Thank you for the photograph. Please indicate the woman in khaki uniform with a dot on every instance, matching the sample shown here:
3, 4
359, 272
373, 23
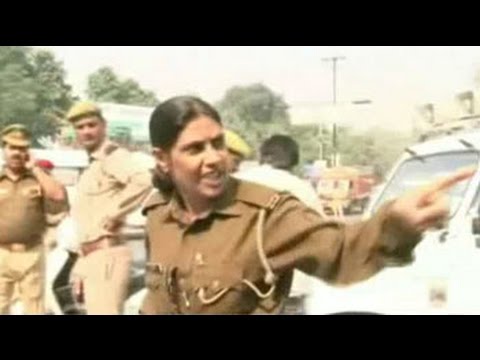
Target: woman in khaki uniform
217, 245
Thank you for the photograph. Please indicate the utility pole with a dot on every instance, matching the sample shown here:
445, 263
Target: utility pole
334, 60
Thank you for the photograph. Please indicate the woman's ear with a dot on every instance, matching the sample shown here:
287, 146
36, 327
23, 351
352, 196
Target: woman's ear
161, 159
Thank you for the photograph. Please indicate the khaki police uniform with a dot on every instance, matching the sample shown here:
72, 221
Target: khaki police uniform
23, 220
240, 259
109, 189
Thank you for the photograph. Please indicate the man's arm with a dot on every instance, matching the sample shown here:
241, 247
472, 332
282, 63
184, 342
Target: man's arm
132, 196
136, 181
51, 188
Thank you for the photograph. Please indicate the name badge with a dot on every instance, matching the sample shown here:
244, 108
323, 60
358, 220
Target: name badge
32, 192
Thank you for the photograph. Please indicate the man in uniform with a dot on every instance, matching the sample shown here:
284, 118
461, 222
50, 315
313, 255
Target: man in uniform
111, 187
238, 150
27, 196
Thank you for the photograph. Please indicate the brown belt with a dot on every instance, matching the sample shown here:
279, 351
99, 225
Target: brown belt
103, 243
18, 248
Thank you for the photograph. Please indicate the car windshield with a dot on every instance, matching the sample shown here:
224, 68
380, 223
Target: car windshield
419, 171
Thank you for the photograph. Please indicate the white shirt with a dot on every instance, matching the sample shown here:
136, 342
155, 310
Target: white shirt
283, 180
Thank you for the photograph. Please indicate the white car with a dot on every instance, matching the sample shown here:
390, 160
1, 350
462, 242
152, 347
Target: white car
443, 279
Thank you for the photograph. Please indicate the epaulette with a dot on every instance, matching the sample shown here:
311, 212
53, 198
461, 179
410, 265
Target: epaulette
258, 195
155, 199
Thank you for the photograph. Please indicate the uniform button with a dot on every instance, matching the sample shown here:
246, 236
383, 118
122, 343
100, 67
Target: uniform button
215, 285
199, 260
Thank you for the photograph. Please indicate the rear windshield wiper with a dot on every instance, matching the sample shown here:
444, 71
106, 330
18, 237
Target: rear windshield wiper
467, 144
414, 155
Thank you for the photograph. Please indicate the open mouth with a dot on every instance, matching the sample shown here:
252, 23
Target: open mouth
214, 178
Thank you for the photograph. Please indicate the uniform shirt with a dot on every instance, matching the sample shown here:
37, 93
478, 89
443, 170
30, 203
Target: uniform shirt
283, 180
24, 209
217, 264
111, 187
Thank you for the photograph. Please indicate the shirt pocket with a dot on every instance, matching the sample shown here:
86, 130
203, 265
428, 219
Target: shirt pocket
99, 184
155, 277
32, 192
158, 281
33, 198
5, 193
220, 289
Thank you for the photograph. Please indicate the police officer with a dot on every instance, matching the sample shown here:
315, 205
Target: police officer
113, 186
238, 150
224, 246
27, 196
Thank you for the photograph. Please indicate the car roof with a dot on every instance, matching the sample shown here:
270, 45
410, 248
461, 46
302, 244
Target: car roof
461, 141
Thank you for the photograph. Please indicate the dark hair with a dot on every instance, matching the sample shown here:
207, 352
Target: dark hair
168, 121
171, 117
280, 151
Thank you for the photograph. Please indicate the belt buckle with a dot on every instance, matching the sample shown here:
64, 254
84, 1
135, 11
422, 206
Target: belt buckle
156, 268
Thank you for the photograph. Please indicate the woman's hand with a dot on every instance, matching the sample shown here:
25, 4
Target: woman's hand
428, 206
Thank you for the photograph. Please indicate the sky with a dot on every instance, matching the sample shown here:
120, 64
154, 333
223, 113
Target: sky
393, 79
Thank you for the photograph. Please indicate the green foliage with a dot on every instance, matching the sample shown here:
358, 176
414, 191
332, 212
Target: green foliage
255, 112
378, 148
33, 90
105, 86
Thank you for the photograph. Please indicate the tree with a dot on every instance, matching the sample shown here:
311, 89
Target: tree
255, 112
378, 148
33, 90
310, 142
54, 94
105, 86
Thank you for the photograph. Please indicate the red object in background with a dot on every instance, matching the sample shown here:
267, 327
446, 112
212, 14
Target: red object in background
363, 186
45, 164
